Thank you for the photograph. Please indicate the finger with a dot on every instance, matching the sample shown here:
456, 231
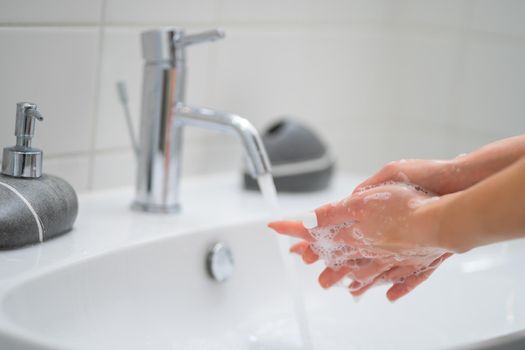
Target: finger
367, 183
370, 271
406, 274
329, 276
299, 248
440, 260
380, 177
309, 256
355, 285
399, 272
392, 171
399, 290
357, 263
291, 228
357, 288
345, 211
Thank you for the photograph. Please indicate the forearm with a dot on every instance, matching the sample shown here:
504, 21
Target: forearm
488, 160
491, 211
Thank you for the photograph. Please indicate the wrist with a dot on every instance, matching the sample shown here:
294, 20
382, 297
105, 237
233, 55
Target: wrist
428, 224
460, 171
456, 230
442, 226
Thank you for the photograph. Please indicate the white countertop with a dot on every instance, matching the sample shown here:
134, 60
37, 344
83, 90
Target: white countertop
106, 222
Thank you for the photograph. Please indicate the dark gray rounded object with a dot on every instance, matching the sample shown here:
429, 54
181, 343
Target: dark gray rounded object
300, 160
52, 209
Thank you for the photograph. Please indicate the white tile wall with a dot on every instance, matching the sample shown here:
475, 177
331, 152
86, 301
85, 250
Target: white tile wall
74, 168
114, 169
50, 11
492, 90
302, 11
379, 79
170, 12
121, 61
442, 13
422, 72
315, 75
502, 16
56, 68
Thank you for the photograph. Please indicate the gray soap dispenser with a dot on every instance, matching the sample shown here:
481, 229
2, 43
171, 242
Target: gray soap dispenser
34, 207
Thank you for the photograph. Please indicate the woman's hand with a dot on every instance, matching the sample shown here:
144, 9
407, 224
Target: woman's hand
392, 232
374, 236
439, 176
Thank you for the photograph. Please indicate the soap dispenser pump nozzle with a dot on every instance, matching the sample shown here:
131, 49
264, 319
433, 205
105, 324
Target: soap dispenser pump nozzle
22, 160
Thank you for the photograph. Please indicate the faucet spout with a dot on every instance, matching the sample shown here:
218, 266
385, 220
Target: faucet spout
232, 123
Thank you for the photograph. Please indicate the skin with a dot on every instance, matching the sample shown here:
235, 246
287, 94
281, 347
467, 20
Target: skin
391, 230
489, 212
482, 205
449, 176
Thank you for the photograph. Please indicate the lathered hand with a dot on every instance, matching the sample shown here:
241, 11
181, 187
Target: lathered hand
377, 235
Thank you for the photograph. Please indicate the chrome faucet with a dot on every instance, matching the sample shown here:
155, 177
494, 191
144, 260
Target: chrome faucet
165, 113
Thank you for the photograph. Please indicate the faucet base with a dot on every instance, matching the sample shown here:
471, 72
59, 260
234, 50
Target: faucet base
153, 208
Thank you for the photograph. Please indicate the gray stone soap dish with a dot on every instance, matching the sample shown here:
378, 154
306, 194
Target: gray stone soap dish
301, 161
35, 210
33, 207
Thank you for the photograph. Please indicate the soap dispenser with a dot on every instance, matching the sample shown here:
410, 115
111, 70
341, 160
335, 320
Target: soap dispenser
34, 207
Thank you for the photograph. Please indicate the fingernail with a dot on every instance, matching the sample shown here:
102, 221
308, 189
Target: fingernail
309, 220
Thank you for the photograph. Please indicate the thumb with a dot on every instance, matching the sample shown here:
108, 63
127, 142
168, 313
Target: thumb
376, 179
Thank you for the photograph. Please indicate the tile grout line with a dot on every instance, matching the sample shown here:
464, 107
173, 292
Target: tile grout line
96, 152
96, 99
350, 25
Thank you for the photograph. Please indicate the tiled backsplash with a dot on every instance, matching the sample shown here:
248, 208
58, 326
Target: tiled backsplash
379, 79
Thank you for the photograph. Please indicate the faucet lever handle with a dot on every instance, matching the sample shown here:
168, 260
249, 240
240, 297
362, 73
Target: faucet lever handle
209, 35
160, 45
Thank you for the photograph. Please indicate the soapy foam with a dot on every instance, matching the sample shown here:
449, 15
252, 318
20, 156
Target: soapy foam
405, 185
378, 196
333, 252
357, 234
416, 203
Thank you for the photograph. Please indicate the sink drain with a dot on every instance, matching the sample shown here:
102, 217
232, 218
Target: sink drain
219, 262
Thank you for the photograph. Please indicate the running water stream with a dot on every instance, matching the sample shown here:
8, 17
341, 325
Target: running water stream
269, 193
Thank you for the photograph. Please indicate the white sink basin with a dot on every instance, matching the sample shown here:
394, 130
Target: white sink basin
124, 280
158, 296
